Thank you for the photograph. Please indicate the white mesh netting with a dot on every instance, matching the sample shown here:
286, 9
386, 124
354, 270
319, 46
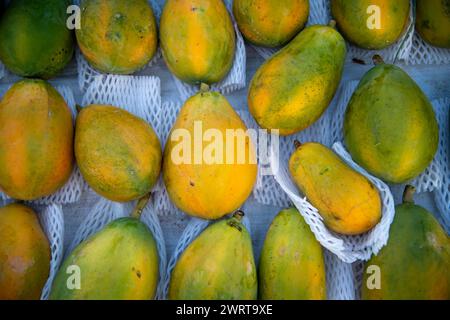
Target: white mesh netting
320, 13
236, 78
87, 74
105, 211
347, 248
71, 191
428, 181
423, 53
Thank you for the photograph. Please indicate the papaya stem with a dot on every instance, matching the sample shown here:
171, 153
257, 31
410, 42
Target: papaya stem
408, 194
297, 144
377, 59
238, 215
78, 107
332, 23
140, 206
204, 87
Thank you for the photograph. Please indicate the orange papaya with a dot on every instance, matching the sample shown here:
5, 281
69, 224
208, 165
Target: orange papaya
433, 21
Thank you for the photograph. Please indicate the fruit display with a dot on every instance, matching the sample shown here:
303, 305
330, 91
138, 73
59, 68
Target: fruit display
217, 265
414, 265
36, 140
292, 265
390, 127
291, 90
24, 254
34, 39
188, 180
117, 36
371, 24
119, 154
270, 23
348, 202
433, 22
198, 40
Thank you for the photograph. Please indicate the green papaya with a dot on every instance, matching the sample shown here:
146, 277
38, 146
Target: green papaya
414, 265
433, 21
371, 24
218, 265
119, 262
291, 90
348, 202
390, 127
291, 265
34, 38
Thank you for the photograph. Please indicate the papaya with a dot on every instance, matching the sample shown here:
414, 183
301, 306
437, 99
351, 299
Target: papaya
291, 90
193, 163
120, 262
390, 127
24, 254
433, 22
34, 38
270, 23
217, 265
371, 24
198, 40
347, 201
291, 265
118, 154
415, 262
117, 36
36, 140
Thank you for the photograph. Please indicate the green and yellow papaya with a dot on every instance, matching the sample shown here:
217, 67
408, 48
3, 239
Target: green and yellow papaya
218, 265
36, 140
291, 265
390, 127
270, 23
204, 179
414, 265
291, 90
371, 24
34, 38
197, 40
119, 154
348, 202
433, 22
117, 36
24, 254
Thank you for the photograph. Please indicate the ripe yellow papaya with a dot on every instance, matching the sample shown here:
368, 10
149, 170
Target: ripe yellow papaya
291, 265
390, 127
218, 265
414, 265
119, 154
24, 254
117, 36
371, 24
433, 22
270, 23
209, 164
291, 90
36, 140
197, 40
348, 202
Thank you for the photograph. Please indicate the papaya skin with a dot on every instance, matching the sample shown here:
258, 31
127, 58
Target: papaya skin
36, 140
270, 23
348, 202
118, 263
291, 90
218, 265
291, 265
34, 38
188, 184
24, 254
433, 22
415, 262
390, 127
119, 154
117, 36
198, 40
352, 18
